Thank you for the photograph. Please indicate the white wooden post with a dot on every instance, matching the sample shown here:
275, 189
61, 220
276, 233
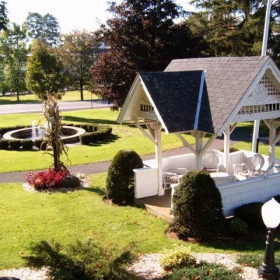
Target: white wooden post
198, 146
264, 49
157, 129
272, 133
226, 148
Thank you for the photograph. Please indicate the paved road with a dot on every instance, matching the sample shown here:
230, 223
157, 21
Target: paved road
63, 106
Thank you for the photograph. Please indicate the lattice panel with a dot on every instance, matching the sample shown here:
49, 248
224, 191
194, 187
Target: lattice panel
148, 115
264, 98
270, 87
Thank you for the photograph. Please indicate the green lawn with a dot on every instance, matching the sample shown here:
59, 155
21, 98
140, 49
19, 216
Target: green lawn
31, 98
31, 217
123, 137
65, 217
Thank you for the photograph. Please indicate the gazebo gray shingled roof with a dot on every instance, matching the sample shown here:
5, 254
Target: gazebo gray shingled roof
175, 95
227, 80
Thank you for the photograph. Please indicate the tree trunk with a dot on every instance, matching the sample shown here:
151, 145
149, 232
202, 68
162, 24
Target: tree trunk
82, 89
17, 95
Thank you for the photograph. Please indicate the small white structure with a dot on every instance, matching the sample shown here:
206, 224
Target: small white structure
207, 96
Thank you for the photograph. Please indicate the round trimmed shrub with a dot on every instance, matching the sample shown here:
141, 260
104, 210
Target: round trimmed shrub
27, 144
4, 144
197, 207
238, 227
120, 177
15, 144
251, 214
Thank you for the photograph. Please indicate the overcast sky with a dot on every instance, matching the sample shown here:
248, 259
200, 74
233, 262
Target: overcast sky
71, 14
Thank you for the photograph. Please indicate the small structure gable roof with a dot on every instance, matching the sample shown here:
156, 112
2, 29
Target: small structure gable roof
227, 80
204, 94
175, 96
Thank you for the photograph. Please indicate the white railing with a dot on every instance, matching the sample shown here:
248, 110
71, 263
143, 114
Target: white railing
254, 190
146, 182
233, 194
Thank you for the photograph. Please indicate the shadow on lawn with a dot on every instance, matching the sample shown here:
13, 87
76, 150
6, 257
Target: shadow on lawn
253, 242
111, 139
85, 120
96, 190
9, 102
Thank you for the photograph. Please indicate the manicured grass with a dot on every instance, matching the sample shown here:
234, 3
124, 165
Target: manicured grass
65, 217
31, 98
123, 137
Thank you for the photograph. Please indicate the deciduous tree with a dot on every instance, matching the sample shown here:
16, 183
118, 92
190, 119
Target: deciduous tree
78, 52
46, 28
13, 52
142, 36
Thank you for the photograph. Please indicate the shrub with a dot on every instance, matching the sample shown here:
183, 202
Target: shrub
84, 126
4, 130
205, 271
251, 214
85, 139
239, 227
4, 144
101, 134
94, 134
27, 144
91, 128
197, 207
83, 260
120, 177
40, 144
15, 144
177, 258
49, 179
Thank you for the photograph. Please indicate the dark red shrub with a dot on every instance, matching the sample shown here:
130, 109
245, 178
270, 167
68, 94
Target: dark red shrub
49, 179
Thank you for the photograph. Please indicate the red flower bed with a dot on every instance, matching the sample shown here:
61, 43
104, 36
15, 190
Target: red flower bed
49, 179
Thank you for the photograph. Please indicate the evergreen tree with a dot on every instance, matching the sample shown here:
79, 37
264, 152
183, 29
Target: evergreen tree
230, 27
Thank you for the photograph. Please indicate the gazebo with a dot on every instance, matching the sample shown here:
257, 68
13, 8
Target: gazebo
205, 96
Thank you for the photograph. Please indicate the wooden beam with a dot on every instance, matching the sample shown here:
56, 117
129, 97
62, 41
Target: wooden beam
186, 143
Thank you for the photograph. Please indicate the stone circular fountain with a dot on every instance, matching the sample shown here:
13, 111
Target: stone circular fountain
70, 134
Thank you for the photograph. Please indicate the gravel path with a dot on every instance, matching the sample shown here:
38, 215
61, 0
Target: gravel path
147, 267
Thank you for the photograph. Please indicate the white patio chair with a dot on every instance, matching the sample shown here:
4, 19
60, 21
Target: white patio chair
251, 167
213, 161
173, 176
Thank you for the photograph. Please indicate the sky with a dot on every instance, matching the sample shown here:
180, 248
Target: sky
71, 14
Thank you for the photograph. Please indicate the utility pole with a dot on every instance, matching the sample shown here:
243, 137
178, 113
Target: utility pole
264, 50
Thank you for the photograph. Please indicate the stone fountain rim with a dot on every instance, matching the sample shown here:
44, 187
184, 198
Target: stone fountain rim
79, 132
